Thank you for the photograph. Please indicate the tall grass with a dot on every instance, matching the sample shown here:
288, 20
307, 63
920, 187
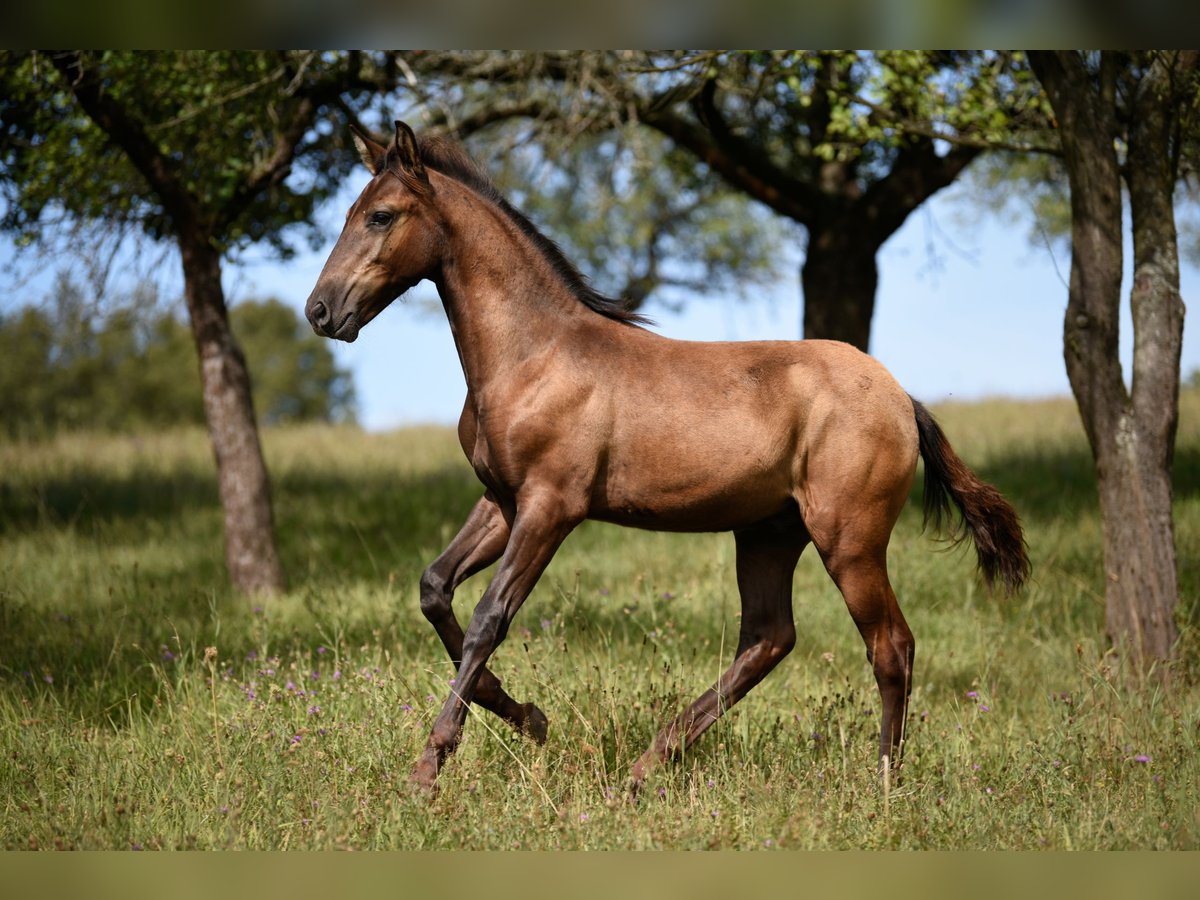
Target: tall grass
121, 729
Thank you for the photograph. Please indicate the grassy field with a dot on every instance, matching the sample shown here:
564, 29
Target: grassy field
118, 730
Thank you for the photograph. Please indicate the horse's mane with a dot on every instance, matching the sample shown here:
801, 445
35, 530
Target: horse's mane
451, 160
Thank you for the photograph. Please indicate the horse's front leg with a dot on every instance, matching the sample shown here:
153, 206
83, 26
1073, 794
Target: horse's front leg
539, 527
479, 543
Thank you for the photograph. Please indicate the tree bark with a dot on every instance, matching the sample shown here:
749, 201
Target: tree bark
250, 552
838, 278
1131, 434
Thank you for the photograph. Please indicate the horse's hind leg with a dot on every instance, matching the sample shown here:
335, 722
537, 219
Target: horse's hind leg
766, 560
857, 561
479, 543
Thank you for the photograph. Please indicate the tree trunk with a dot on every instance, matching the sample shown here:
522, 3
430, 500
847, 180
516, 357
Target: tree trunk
250, 552
838, 279
1148, 611
1131, 434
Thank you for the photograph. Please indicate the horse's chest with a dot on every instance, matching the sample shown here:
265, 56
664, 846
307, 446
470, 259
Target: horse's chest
497, 463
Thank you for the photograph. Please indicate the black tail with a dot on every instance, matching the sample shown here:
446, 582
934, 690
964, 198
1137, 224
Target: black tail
986, 516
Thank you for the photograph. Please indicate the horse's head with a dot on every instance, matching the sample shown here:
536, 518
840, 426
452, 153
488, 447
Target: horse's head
389, 243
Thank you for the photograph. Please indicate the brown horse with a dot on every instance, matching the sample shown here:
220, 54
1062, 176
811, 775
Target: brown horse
573, 411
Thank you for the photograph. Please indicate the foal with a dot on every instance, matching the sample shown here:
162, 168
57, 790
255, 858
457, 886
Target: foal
574, 411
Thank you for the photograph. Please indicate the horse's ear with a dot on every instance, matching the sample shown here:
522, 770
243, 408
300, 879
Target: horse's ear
371, 153
407, 156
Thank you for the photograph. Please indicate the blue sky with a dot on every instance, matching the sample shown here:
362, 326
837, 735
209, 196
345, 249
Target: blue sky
967, 308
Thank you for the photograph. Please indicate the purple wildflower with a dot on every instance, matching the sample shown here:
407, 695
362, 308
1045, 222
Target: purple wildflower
973, 694
1142, 758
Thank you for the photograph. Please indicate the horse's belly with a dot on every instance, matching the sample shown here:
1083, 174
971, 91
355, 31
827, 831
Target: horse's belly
703, 498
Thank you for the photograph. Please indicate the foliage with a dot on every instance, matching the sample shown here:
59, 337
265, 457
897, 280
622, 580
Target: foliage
639, 217
861, 109
800, 123
67, 366
678, 154
1018, 184
220, 120
118, 731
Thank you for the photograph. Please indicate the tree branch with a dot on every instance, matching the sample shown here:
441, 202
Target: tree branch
128, 134
736, 162
917, 175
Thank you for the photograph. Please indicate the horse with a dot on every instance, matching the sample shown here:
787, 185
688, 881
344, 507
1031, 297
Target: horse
575, 410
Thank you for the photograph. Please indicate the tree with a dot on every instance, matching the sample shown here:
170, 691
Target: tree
211, 151
1124, 118
845, 144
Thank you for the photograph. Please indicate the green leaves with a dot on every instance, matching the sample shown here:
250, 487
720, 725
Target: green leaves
234, 132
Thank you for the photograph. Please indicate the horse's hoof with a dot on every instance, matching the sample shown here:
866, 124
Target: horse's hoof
419, 790
535, 725
423, 780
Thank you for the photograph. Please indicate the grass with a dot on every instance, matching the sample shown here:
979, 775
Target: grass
121, 729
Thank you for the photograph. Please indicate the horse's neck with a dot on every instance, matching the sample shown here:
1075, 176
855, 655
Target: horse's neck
504, 301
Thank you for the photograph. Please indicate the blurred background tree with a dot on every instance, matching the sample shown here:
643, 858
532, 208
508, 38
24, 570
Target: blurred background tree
71, 363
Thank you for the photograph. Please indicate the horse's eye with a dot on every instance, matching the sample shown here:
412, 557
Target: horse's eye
380, 219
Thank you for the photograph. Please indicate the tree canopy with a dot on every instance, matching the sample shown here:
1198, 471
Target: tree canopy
845, 144
247, 144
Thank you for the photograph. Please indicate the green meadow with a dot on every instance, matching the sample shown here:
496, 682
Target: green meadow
121, 729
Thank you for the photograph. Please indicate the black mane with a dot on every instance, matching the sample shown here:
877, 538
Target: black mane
452, 161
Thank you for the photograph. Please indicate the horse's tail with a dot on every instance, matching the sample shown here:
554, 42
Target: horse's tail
986, 516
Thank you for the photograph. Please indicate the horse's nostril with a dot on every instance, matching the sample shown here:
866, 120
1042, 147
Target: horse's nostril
319, 315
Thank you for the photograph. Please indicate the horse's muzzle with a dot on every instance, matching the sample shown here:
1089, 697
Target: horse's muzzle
320, 317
